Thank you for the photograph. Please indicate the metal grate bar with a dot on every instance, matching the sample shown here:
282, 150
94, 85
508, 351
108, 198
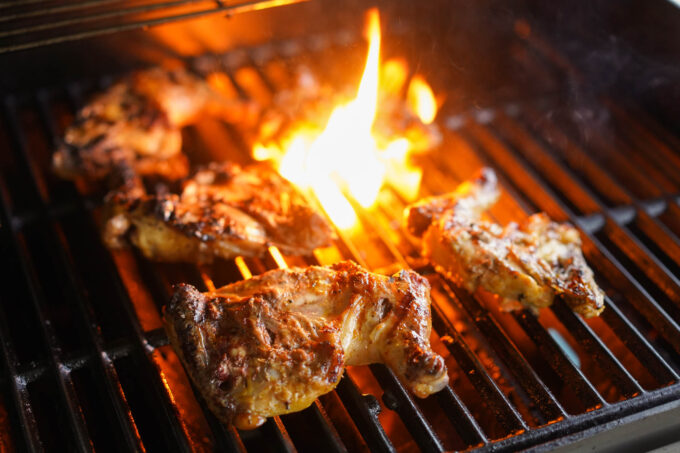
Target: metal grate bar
660, 234
20, 2
492, 395
133, 24
597, 349
619, 144
143, 348
647, 306
327, 426
57, 9
577, 159
461, 418
364, 410
558, 360
115, 350
579, 423
17, 389
14, 381
650, 266
639, 345
647, 133
508, 352
397, 399
550, 53
107, 372
576, 193
622, 169
90, 18
226, 439
276, 425
65, 385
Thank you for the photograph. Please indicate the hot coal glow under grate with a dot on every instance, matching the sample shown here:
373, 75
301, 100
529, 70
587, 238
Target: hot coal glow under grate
85, 361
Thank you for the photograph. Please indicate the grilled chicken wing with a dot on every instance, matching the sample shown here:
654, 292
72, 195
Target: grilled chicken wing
136, 122
530, 263
272, 344
223, 211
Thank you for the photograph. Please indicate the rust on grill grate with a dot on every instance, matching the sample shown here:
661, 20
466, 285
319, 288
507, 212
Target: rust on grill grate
86, 363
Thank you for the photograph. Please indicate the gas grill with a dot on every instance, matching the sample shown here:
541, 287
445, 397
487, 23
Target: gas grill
85, 362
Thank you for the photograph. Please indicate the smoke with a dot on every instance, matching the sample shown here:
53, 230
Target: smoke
626, 51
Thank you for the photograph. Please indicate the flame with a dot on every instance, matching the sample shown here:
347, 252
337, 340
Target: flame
346, 160
421, 99
393, 76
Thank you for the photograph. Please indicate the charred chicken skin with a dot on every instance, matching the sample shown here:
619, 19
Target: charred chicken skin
222, 211
137, 122
526, 264
272, 344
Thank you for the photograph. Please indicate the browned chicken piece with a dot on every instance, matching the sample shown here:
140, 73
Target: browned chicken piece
223, 211
272, 344
137, 122
527, 265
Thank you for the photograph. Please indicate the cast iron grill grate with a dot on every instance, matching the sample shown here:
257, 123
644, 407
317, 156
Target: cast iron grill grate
86, 365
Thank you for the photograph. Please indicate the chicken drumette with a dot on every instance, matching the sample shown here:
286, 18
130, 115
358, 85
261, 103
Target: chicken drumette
222, 211
272, 344
530, 263
137, 123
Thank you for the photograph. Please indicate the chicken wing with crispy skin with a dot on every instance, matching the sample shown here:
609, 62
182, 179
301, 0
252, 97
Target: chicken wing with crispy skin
137, 122
272, 344
527, 265
223, 211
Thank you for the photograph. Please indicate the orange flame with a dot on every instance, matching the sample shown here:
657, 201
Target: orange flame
421, 99
393, 75
346, 159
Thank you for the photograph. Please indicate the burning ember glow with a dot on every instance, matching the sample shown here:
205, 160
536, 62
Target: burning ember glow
348, 158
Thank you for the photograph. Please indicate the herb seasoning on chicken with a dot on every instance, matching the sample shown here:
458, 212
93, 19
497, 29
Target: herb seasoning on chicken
137, 123
527, 265
223, 211
272, 344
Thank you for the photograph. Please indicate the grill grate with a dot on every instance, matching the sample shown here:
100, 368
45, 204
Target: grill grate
101, 350
43, 22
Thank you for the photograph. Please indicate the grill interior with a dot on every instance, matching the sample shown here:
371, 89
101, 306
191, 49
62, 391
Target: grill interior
86, 364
